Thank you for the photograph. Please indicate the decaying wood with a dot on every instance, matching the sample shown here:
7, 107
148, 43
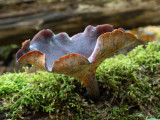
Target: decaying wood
21, 19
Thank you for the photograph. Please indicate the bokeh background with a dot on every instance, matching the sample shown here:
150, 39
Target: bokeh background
22, 19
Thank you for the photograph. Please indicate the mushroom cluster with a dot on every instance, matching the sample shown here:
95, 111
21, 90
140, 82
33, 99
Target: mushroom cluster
77, 56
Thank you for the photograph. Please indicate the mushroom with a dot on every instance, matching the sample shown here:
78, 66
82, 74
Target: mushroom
77, 56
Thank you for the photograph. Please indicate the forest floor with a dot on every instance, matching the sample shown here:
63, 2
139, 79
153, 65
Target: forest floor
129, 86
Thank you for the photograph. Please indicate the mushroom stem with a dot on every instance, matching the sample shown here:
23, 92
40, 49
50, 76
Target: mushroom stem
89, 80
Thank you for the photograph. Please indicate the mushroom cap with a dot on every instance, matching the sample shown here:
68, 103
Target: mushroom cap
72, 55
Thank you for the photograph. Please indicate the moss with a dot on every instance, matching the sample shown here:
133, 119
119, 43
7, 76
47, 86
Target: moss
129, 85
44, 91
5, 51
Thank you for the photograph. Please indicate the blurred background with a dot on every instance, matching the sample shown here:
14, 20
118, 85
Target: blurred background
22, 19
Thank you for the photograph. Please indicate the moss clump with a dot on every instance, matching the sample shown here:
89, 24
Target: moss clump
129, 85
52, 93
133, 80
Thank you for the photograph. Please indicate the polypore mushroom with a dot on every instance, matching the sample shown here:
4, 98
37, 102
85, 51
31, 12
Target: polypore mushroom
77, 56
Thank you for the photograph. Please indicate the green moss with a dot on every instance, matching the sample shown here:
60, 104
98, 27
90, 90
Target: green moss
129, 85
6, 50
44, 91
